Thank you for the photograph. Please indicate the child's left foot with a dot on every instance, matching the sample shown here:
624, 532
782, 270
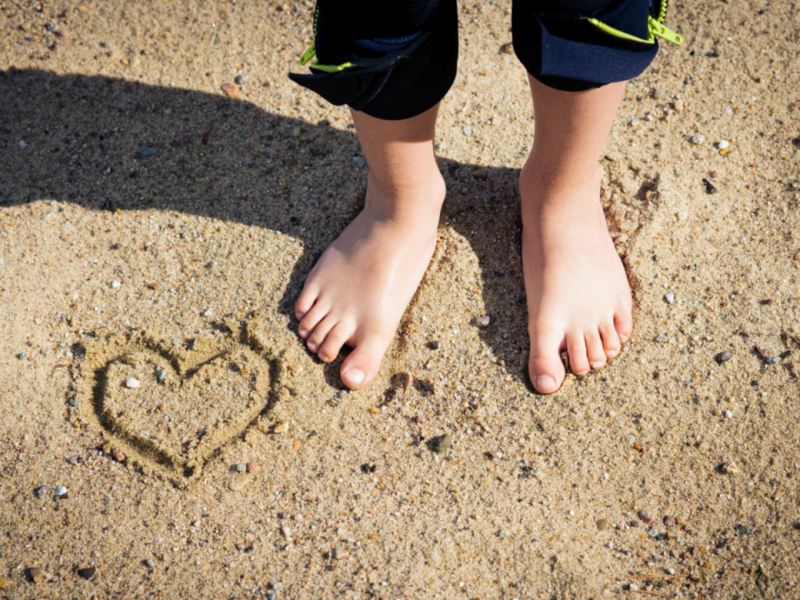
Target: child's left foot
578, 294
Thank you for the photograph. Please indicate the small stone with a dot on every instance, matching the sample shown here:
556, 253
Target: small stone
483, 321
669, 297
645, 515
661, 338
118, 456
36, 575
4, 583
147, 563
86, 572
668, 520
161, 375
763, 356
116, 284
709, 187
633, 123
22, 355
374, 410
280, 427
22, 144
145, 152
208, 313
238, 482
727, 468
72, 402
697, 138
507, 48
132, 383
286, 532
722, 144
270, 595
669, 571
722, 357
467, 130
432, 345
602, 523
678, 105
73, 460
440, 444
240, 467
239, 79
683, 215
40, 491
231, 90
60, 492
728, 414
359, 161
633, 587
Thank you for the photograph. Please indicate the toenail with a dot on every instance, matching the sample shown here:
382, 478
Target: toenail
598, 364
302, 333
356, 376
612, 353
312, 346
545, 382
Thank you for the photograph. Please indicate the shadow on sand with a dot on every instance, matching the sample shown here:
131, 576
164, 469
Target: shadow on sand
105, 143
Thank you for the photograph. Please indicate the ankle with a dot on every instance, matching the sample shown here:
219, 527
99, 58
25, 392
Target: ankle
419, 197
553, 176
547, 188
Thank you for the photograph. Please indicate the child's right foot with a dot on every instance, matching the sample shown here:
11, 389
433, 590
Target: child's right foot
360, 287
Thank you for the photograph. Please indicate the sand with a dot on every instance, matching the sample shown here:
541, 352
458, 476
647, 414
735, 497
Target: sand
150, 223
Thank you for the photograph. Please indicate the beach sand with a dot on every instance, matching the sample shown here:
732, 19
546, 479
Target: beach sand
154, 233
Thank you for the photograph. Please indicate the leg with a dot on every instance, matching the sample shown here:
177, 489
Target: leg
359, 289
578, 294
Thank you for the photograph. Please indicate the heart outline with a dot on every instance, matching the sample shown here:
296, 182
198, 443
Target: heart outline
90, 383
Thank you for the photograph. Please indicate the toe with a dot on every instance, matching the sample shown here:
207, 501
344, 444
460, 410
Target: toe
611, 342
594, 349
312, 318
624, 324
576, 348
305, 300
545, 366
361, 366
320, 332
336, 338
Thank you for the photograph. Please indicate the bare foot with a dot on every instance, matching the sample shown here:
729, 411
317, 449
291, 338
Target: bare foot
357, 292
578, 294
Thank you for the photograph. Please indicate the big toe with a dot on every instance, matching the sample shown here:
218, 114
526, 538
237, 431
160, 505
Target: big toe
547, 375
361, 366
545, 367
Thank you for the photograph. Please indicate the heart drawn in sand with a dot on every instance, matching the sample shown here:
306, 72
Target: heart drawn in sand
172, 409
